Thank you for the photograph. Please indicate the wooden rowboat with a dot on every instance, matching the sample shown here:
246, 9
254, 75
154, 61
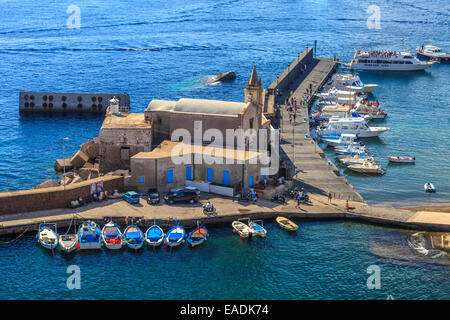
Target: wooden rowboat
47, 237
287, 224
198, 236
243, 229
400, 159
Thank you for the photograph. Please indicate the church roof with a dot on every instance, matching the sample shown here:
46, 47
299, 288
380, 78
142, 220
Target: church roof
200, 106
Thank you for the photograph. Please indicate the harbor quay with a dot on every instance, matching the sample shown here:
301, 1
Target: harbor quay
134, 152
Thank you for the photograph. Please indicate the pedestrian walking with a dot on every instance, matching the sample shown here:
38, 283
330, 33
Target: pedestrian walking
329, 197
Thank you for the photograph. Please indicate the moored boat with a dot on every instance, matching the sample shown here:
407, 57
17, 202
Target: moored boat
355, 160
89, 236
198, 236
47, 237
243, 229
258, 229
175, 236
68, 242
401, 159
367, 167
286, 224
133, 237
154, 235
429, 187
357, 126
430, 52
350, 82
111, 236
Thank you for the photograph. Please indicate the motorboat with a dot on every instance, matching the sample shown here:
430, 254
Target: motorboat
175, 236
198, 236
68, 242
340, 96
242, 229
89, 236
350, 82
377, 60
47, 236
257, 226
430, 52
429, 187
400, 159
356, 159
341, 140
357, 126
286, 224
133, 237
111, 236
367, 167
154, 235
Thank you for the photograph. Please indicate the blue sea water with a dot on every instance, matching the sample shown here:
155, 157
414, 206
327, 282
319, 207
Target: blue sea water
164, 50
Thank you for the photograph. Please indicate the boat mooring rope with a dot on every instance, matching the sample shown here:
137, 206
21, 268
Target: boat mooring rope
11, 241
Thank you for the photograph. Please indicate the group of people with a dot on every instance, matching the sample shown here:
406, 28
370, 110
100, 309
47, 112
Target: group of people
300, 195
376, 53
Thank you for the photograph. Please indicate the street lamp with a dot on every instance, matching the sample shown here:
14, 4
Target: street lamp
64, 160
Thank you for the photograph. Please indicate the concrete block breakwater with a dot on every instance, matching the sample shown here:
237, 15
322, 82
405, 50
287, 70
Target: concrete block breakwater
52, 102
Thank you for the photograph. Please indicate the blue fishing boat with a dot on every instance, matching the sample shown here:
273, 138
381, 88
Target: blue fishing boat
175, 236
133, 237
154, 235
47, 237
198, 236
89, 236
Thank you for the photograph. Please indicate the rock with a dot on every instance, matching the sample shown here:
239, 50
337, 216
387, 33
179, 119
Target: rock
226, 76
84, 173
76, 180
88, 165
47, 184
93, 150
65, 181
59, 165
79, 159
86, 145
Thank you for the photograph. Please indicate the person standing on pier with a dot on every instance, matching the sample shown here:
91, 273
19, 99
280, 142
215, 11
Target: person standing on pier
329, 197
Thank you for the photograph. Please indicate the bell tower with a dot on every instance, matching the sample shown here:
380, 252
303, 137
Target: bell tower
254, 91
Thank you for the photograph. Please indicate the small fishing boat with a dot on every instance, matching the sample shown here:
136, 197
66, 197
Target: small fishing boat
198, 236
133, 237
68, 242
47, 237
111, 236
429, 187
367, 167
154, 235
343, 139
400, 159
349, 160
287, 224
257, 226
175, 236
243, 229
89, 236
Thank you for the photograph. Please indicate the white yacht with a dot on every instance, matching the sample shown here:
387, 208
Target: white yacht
387, 60
357, 126
430, 52
334, 95
350, 82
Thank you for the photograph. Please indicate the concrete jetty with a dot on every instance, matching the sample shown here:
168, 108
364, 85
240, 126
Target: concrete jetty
314, 171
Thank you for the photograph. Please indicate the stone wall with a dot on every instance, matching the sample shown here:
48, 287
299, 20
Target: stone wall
54, 197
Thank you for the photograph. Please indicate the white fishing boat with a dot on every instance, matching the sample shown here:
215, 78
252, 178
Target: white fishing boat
68, 242
350, 82
47, 235
387, 61
242, 229
357, 126
367, 167
356, 159
343, 139
258, 228
112, 236
401, 159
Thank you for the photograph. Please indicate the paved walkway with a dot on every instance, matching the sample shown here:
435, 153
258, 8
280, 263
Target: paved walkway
316, 173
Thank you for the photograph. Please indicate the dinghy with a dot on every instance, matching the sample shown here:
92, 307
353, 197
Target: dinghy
175, 236
243, 229
287, 224
89, 236
47, 237
367, 167
154, 235
257, 226
400, 159
68, 242
429, 187
111, 236
198, 236
133, 237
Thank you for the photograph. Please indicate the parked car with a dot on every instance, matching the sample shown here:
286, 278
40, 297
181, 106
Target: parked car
131, 197
189, 189
153, 196
181, 196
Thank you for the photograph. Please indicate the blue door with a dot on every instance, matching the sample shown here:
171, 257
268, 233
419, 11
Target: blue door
189, 173
169, 175
226, 177
209, 174
264, 174
250, 181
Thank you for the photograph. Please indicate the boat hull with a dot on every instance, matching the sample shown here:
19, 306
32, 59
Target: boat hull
180, 234
49, 242
401, 160
389, 67
67, 245
286, 224
158, 237
440, 59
